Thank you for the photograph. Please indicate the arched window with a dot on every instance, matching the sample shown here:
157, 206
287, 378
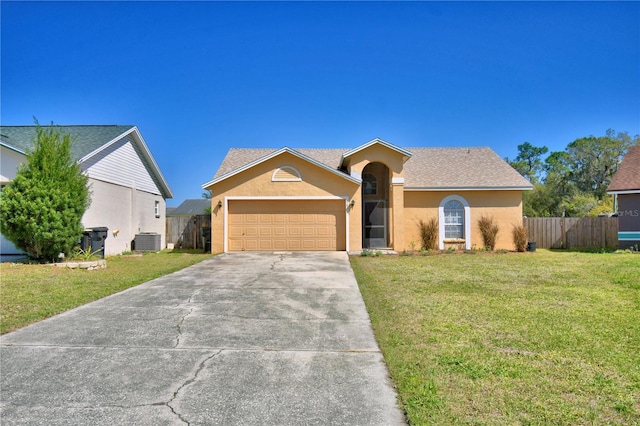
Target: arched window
454, 219
370, 184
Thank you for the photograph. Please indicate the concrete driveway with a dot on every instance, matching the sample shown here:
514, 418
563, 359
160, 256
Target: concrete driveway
243, 338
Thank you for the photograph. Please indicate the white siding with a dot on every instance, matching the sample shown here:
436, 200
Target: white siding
127, 210
9, 161
122, 164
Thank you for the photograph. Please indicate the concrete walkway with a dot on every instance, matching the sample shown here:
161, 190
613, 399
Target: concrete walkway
243, 338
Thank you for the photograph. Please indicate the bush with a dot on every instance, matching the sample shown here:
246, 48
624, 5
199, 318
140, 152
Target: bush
428, 233
520, 237
489, 231
42, 207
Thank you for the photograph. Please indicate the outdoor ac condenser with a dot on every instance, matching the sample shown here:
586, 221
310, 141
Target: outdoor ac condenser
147, 241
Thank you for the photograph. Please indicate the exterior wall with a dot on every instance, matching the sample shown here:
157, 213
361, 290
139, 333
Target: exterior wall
9, 162
257, 182
126, 210
504, 206
629, 221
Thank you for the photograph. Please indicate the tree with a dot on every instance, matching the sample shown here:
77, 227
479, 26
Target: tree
572, 182
42, 207
529, 162
594, 160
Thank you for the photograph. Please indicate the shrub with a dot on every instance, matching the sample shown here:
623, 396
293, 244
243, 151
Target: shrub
489, 230
428, 233
520, 237
42, 207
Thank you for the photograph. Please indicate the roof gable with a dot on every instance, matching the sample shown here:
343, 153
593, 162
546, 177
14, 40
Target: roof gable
627, 178
377, 141
251, 158
87, 142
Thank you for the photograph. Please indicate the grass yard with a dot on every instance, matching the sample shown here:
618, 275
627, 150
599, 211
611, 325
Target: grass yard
509, 338
30, 293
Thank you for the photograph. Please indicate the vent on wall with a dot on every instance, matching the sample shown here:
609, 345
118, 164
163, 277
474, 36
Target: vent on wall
286, 174
147, 241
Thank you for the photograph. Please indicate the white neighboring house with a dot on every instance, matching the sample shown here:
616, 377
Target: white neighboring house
128, 190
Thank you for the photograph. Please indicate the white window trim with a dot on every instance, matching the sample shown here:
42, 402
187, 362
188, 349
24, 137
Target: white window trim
467, 221
291, 179
157, 208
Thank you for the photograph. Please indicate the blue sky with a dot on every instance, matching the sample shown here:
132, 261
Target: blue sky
198, 78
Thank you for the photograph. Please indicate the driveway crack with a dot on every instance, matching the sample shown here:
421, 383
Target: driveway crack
179, 326
188, 382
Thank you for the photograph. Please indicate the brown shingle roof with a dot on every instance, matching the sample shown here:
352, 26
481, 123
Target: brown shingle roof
238, 157
627, 178
439, 168
428, 168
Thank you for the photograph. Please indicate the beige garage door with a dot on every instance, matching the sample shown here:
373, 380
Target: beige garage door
286, 225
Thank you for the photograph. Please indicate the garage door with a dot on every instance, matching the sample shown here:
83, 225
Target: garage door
286, 225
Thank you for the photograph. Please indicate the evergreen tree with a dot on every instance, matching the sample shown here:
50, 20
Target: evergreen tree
42, 208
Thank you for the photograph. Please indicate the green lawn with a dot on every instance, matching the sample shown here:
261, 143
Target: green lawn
509, 338
30, 293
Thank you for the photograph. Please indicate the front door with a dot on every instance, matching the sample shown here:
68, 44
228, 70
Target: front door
375, 224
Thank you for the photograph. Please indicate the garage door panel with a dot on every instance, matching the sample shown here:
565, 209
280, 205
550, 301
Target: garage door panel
265, 245
294, 231
256, 225
250, 231
265, 232
251, 245
294, 218
280, 244
251, 218
325, 231
294, 245
309, 244
325, 245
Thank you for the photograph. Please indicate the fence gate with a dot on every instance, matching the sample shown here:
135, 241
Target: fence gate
188, 232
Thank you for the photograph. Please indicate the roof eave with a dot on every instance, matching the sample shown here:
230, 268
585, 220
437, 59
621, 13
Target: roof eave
13, 148
624, 191
469, 188
273, 155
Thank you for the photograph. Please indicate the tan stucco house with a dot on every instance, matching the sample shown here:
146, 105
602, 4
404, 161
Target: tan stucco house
371, 196
128, 190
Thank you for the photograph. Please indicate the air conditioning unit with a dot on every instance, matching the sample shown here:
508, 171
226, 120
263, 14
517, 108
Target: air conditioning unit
147, 241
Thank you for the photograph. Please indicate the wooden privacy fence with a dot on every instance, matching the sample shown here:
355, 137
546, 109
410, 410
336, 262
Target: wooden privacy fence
187, 231
573, 232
